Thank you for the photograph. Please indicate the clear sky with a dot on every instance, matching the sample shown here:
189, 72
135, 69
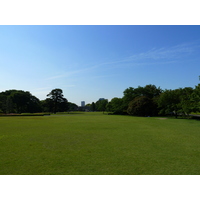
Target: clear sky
92, 62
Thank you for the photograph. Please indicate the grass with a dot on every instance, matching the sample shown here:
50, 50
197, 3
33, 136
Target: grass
93, 143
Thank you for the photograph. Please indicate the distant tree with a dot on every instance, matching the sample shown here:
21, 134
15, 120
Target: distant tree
187, 103
101, 105
19, 101
3, 99
180, 101
195, 97
56, 96
72, 106
150, 91
9, 105
88, 107
47, 105
169, 102
129, 95
141, 106
93, 107
115, 106
63, 106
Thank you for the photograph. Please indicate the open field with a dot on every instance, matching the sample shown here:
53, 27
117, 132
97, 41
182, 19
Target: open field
93, 143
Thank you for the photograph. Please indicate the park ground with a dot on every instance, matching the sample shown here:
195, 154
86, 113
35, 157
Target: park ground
99, 144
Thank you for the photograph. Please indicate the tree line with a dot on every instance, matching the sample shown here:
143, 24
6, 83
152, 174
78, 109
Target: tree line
152, 101
141, 101
18, 101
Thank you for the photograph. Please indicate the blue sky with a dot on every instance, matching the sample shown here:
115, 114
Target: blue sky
92, 62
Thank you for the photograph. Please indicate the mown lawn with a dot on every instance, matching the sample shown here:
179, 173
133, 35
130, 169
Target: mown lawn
93, 143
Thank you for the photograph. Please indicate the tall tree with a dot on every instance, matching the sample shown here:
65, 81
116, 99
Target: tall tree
169, 102
196, 98
150, 91
141, 106
115, 106
72, 106
57, 98
93, 107
101, 105
187, 104
19, 101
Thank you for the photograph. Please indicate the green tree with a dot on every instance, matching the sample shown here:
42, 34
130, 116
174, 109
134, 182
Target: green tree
101, 105
196, 98
169, 102
19, 101
47, 105
180, 101
149, 91
187, 103
56, 96
3, 99
129, 95
93, 107
140, 106
72, 106
115, 106
9, 105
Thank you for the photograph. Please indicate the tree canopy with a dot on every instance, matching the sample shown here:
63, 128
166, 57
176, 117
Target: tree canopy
57, 101
141, 101
19, 101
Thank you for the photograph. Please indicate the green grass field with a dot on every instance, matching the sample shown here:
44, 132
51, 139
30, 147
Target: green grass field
93, 143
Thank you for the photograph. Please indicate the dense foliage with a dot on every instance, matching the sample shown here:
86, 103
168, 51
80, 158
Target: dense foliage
141, 101
18, 101
152, 101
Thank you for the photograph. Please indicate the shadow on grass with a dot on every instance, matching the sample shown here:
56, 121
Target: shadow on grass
69, 113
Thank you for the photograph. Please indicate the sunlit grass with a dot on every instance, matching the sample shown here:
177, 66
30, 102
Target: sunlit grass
93, 143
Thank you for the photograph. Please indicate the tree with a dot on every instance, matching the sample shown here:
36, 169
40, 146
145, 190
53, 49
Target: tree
57, 98
101, 105
72, 106
180, 101
93, 107
196, 98
9, 105
169, 102
115, 106
19, 101
149, 91
129, 95
3, 99
47, 105
141, 106
187, 103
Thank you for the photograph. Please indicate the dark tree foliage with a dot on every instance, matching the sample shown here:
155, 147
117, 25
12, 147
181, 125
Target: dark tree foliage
195, 98
101, 105
169, 102
72, 106
57, 102
141, 106
150, 91
115, 106
47, 105
180, 101
141, 101
18, 101
93, 107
